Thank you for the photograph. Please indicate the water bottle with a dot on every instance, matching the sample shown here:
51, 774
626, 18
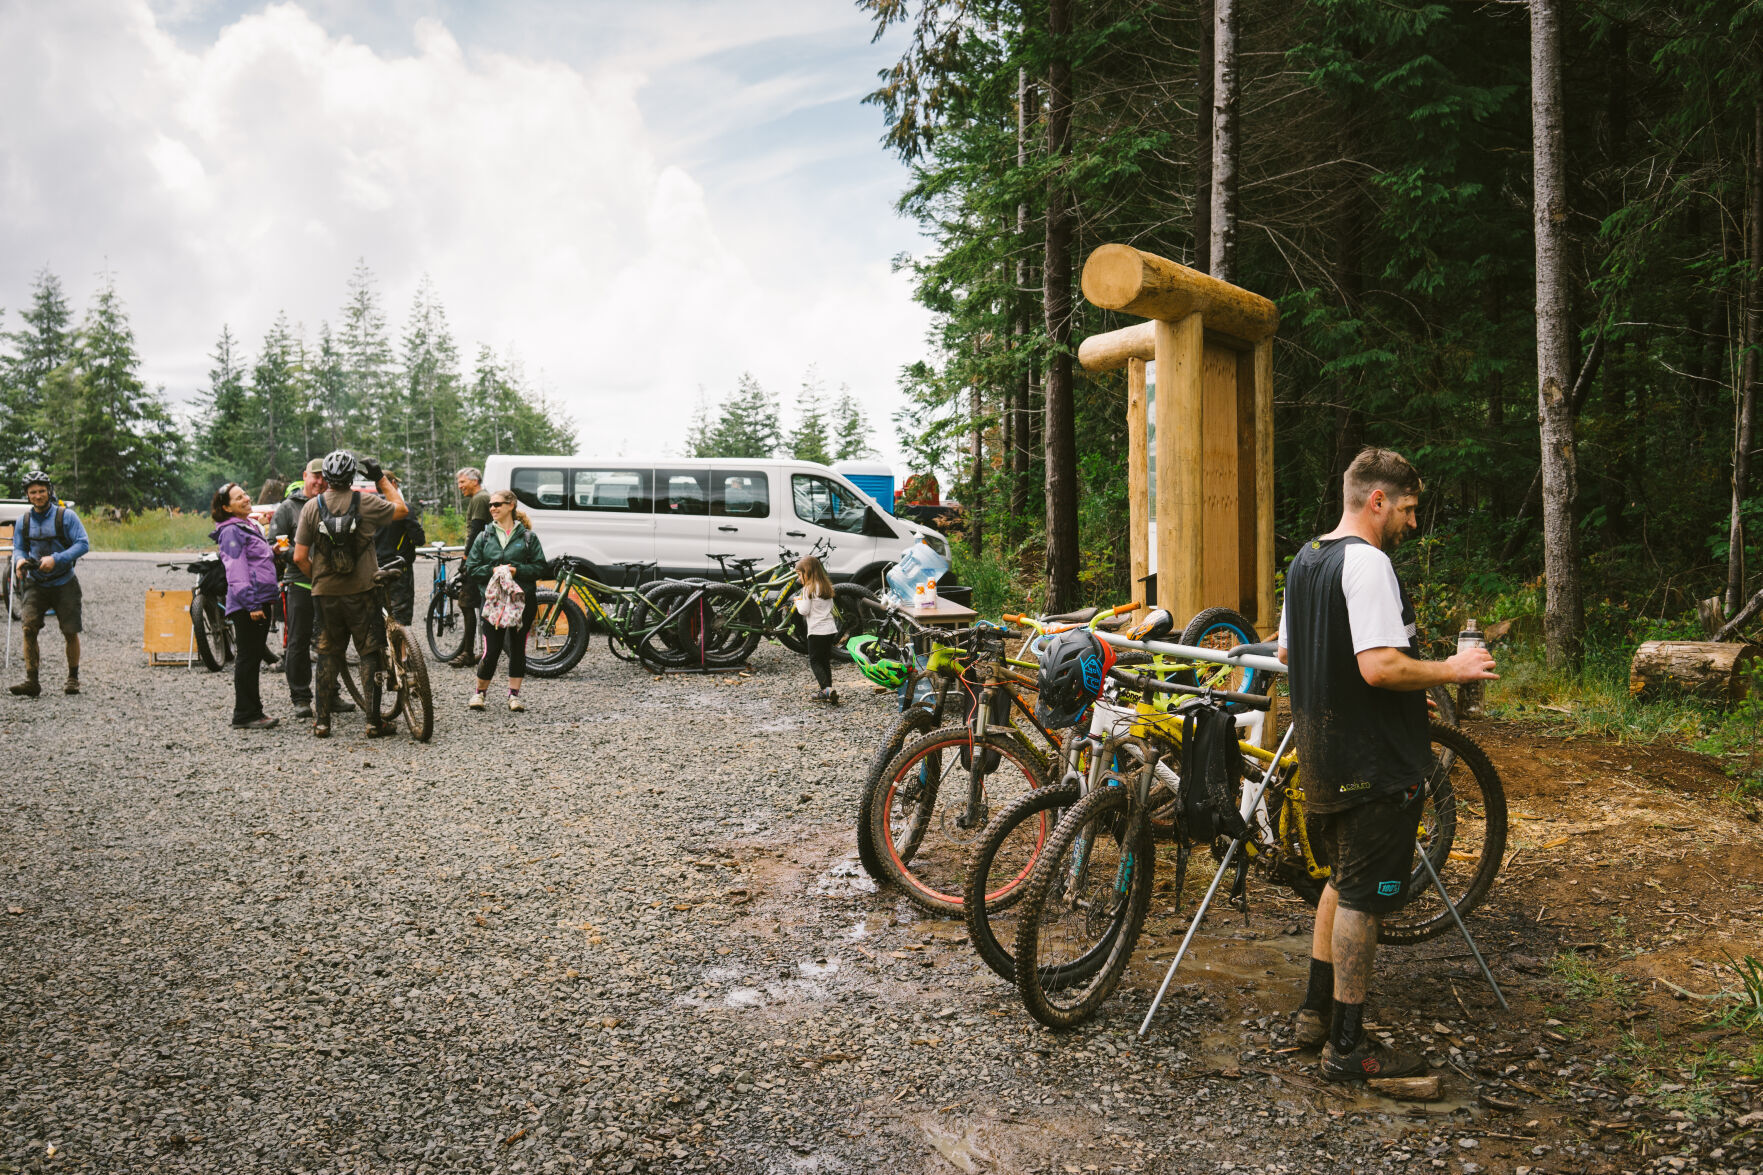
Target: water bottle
1469, 693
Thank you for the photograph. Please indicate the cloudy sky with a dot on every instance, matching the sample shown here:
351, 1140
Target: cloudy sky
640, 197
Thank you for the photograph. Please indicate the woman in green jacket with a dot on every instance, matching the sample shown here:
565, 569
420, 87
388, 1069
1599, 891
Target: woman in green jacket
507, 540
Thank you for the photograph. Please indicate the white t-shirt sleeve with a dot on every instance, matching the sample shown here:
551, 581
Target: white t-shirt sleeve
1284, 642
1374, 600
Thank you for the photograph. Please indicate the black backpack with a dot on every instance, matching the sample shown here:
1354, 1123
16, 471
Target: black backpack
340, 535
1211, 774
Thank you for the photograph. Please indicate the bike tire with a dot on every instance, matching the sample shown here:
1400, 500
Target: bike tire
1224, 629
1059, 991
912, 723
558, 637
793, 632
856, 610
214, 643
414, 697
1001, 844
444, 626
916, 809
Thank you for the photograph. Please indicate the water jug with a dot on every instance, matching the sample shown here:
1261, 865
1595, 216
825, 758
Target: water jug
919, 564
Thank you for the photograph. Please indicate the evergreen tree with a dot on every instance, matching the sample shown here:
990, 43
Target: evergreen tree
46, 343
329, 392
434, 419
226, 436
372, 416
123, 449
747, 425
277, 406
809, 440
850, 427
698, 433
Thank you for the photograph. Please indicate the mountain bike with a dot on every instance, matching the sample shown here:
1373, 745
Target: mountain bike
926, 809
403, 674
444, 623
642, 624
213, 636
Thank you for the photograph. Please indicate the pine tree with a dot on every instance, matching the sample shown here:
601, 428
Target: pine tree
809, 440
431, 383
747, 425
46, 344
277, 406
329, 392
699, 432
125, 448
850, 427
226, 432
372, 411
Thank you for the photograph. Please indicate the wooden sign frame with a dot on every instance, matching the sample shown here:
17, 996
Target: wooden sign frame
1212, 344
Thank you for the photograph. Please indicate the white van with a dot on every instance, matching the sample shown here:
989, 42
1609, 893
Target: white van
676, 513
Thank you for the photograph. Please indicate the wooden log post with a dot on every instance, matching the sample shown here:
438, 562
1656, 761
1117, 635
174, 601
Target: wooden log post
1717, 671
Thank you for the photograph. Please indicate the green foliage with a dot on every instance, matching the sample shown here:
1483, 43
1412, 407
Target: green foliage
809, 440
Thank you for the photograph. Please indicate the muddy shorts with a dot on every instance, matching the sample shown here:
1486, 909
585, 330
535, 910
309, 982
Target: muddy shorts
1370, 850
36, 599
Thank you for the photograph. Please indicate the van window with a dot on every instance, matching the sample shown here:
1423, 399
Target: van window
740, 493
682, 491
538, 489
826, 503
624, 491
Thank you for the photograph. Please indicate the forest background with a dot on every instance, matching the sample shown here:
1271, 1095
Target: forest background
1380, 189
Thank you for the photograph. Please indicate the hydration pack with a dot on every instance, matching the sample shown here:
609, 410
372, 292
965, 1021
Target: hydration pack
340, 535
1211, 774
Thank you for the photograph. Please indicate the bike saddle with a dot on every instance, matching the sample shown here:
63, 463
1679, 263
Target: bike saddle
388, 574
723, 555
1081, 616
1263, 649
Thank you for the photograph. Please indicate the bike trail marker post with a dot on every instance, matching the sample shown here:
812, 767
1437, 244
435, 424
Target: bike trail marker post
1199, 429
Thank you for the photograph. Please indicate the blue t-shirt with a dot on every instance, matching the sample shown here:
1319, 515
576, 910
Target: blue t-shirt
34, 536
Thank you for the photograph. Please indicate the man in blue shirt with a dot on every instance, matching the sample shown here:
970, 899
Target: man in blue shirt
47, 541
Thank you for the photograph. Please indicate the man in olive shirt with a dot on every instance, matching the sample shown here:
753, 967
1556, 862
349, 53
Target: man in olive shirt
477, 516
333, 543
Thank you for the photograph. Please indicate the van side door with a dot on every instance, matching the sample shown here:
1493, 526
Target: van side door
611, 511
682, 521
822, 508
741, 522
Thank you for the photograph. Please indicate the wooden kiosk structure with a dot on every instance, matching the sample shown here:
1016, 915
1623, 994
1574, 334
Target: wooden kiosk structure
1199, 413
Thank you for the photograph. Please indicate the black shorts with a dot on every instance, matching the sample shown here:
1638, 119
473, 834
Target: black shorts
1370, 851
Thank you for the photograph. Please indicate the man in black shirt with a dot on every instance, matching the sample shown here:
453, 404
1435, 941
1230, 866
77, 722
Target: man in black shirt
1359, 708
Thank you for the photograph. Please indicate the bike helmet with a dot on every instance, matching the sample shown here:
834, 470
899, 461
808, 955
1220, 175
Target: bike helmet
339, 468
1074, 665
37, 477
878, 660
1155, 627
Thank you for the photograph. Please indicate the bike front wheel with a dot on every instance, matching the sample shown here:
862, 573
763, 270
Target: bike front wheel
928, 810
1084, 909
445, 627
999, 869
413, 682
558, 637
914, 722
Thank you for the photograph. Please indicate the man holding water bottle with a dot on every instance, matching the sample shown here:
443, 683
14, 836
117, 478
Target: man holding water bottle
1358, 690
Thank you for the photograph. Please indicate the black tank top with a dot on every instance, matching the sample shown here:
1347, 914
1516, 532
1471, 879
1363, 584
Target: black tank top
1355, 742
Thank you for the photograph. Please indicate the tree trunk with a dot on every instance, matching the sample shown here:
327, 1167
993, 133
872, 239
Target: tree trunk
1224, 140
1745, 441
1563, 616
1017, 445
976, 484
1709, 669
1203, 138
1060, 430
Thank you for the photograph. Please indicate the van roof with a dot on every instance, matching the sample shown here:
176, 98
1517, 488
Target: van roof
644, 462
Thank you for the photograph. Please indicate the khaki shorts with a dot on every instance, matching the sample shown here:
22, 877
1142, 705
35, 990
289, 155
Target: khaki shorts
36, 599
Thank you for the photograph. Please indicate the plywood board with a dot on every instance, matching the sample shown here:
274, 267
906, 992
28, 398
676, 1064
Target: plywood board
1220, 524
167, 629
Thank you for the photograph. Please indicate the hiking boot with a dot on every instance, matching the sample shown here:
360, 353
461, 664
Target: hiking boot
462, 660
1309, 1029
260, 722
73, 684
342, 705
1370, 1058
379, 729
28, 688
303, 709
477, 701
832, 696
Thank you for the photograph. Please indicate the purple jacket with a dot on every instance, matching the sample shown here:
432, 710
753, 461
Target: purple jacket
250, 565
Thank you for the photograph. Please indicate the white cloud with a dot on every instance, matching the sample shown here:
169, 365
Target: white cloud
229, 178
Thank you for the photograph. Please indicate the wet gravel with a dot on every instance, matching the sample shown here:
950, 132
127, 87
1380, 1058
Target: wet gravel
624, 931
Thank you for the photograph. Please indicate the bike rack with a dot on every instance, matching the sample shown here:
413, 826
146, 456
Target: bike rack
1270, 665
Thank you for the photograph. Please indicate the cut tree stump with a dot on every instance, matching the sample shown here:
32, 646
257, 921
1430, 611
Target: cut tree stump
1408, 1089
1718, 671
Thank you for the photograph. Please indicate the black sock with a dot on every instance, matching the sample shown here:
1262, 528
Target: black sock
1348, 1026
1319, 996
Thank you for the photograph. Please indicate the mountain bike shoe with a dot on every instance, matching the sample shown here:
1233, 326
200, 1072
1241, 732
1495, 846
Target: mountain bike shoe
1369, 1059
1309, 1029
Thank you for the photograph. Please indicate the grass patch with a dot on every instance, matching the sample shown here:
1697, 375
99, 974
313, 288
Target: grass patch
155, 530
1582, 980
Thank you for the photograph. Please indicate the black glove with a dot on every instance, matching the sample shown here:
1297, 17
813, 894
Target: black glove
370, 469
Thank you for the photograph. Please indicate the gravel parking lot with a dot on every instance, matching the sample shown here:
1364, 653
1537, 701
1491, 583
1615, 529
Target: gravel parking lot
624, 931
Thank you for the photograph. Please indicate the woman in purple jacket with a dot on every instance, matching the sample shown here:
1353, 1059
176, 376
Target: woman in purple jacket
250, 592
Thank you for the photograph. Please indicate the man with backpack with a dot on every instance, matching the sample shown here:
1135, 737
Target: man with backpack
1358, 689
298, 664
399, 540
47, 540
477, 516
333, 543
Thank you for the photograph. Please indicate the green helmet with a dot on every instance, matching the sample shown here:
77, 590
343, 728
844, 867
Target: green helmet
878, 660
